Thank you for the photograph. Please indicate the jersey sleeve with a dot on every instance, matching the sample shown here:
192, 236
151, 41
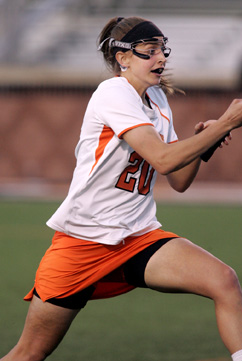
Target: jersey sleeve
172, 136
121, 109
159, 98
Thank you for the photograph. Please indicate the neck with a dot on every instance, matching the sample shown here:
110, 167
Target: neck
140, 88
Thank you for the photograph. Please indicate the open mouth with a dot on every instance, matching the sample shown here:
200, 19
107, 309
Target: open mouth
158, 71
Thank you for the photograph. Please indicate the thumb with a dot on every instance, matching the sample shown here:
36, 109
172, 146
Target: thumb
199, 127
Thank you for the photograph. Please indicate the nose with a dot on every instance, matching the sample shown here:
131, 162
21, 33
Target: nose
162, 57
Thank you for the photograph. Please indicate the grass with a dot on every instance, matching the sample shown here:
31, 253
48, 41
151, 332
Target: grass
139, 326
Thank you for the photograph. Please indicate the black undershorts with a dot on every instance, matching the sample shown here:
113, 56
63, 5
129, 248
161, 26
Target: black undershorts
133, 271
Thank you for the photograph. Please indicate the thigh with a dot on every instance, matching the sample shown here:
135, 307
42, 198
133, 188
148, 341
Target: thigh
45, 326
134, 268
181, 266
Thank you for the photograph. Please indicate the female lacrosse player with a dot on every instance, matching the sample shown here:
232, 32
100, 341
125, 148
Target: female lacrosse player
108, 240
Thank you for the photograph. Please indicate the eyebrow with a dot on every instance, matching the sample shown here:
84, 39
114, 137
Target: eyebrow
145, 45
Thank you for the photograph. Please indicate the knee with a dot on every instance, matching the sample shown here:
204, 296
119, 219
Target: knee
37, 356
28, 354
228, 283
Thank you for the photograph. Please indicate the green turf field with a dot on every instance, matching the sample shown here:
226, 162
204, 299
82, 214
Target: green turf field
139, 326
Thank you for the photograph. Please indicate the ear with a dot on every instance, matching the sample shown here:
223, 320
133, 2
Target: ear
123, 58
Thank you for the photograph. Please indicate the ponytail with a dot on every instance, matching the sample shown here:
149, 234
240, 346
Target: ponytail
104, 37
116, 28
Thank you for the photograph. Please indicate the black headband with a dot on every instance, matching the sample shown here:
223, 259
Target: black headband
142, 31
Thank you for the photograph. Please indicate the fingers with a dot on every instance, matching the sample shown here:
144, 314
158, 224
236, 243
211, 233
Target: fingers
199, 127
235, 101
234, 114
226, 140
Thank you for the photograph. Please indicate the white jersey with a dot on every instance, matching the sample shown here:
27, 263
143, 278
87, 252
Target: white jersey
111, 193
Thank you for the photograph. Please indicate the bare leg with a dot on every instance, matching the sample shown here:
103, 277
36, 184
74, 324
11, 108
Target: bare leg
44, 328
181, 266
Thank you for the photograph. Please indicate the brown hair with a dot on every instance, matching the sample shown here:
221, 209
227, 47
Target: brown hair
117, 28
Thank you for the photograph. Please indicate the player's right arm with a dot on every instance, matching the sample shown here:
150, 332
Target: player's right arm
167, 158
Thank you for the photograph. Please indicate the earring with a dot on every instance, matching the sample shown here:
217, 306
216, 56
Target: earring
123, 68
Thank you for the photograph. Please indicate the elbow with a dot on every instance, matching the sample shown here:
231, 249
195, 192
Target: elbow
181, 188
165, 161
165, 168
165, 164
178, 182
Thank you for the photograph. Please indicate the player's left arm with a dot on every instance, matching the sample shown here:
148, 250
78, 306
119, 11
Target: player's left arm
181, 179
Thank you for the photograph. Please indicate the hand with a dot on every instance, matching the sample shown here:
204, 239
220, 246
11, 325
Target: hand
199, 127
208, 154
233, 114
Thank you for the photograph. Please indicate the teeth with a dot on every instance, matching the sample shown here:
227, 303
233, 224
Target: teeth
158, 71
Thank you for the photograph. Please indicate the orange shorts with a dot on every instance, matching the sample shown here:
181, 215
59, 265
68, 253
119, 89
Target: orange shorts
71, 265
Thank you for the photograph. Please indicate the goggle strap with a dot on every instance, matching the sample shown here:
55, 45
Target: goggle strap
104, 41
119, 44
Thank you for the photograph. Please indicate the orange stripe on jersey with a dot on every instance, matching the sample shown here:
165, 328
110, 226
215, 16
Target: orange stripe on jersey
104, 139
135, 126
158, 108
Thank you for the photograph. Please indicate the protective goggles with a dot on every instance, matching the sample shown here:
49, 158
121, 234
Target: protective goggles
159, 46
